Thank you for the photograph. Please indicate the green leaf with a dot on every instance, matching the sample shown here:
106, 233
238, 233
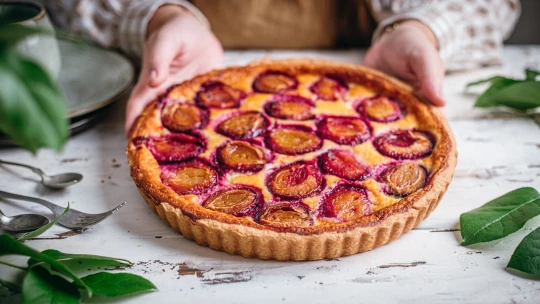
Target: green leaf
32, 108
118, 284
60, 256
44, 90
12, 287
42, 287
521, 95
9, 245
499, 217
41, 230
526, 257
513, 93
531, 74
12, 33
491, 79
486, 98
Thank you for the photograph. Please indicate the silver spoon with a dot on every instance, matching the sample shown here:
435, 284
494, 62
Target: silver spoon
22, 222
58, 181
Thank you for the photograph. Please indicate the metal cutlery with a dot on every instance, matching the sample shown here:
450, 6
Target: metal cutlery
22, 222
58, 181
73, 219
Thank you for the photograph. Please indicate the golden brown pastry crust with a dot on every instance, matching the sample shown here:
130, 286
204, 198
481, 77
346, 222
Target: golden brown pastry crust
243, 236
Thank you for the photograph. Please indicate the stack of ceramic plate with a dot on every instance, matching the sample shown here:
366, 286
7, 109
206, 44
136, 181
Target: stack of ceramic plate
91, 78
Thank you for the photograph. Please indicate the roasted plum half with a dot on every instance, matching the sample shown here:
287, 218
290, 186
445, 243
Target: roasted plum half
175, 147
343, 130
284, 215
289, 107
244, 125
295, 181
380, 109
274, 82
239, 201
328, 88
404, 144
292, 140
190, 177
217, 95
241, 156
346, 203
342, 164
182, 117
404, 179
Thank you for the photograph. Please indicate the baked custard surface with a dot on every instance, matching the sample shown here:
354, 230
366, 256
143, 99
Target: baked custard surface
292, 160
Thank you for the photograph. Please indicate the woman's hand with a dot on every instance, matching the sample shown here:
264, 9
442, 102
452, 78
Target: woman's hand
178, 47
410, 53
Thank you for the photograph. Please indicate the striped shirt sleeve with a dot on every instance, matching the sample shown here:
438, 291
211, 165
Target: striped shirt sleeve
112, 23
470, 32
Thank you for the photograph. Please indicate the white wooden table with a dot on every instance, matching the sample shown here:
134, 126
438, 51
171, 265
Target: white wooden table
498, 152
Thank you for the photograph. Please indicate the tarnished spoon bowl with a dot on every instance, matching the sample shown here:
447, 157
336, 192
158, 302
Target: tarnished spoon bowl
58, 181
22, 222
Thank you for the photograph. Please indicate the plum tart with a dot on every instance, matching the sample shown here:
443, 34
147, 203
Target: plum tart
292, 160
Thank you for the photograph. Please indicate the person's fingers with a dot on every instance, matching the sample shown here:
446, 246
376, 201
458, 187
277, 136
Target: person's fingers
432, 93
139, 98
428, 68
181, 74
143, 94
159, 53
389, 63
372, 57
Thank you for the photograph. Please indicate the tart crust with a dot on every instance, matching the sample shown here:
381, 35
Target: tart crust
243, 236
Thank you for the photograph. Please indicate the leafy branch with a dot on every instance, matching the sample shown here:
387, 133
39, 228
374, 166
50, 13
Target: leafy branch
49, 278
508, 213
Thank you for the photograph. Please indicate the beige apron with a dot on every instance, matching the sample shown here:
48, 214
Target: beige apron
289, 23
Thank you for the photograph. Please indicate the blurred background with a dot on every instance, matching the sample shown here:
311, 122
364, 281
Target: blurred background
528, 27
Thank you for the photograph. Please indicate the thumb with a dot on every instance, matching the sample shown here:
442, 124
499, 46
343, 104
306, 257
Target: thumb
140, 97
158, 56
428, 69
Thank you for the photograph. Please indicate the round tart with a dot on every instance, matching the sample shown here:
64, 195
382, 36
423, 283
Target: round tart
292, 160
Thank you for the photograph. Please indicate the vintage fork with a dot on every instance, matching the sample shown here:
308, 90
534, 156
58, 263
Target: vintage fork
73, 219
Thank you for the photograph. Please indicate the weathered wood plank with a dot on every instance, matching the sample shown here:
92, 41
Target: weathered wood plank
498, 151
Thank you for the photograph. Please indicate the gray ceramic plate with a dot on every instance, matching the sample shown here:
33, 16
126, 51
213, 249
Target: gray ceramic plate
92, 77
